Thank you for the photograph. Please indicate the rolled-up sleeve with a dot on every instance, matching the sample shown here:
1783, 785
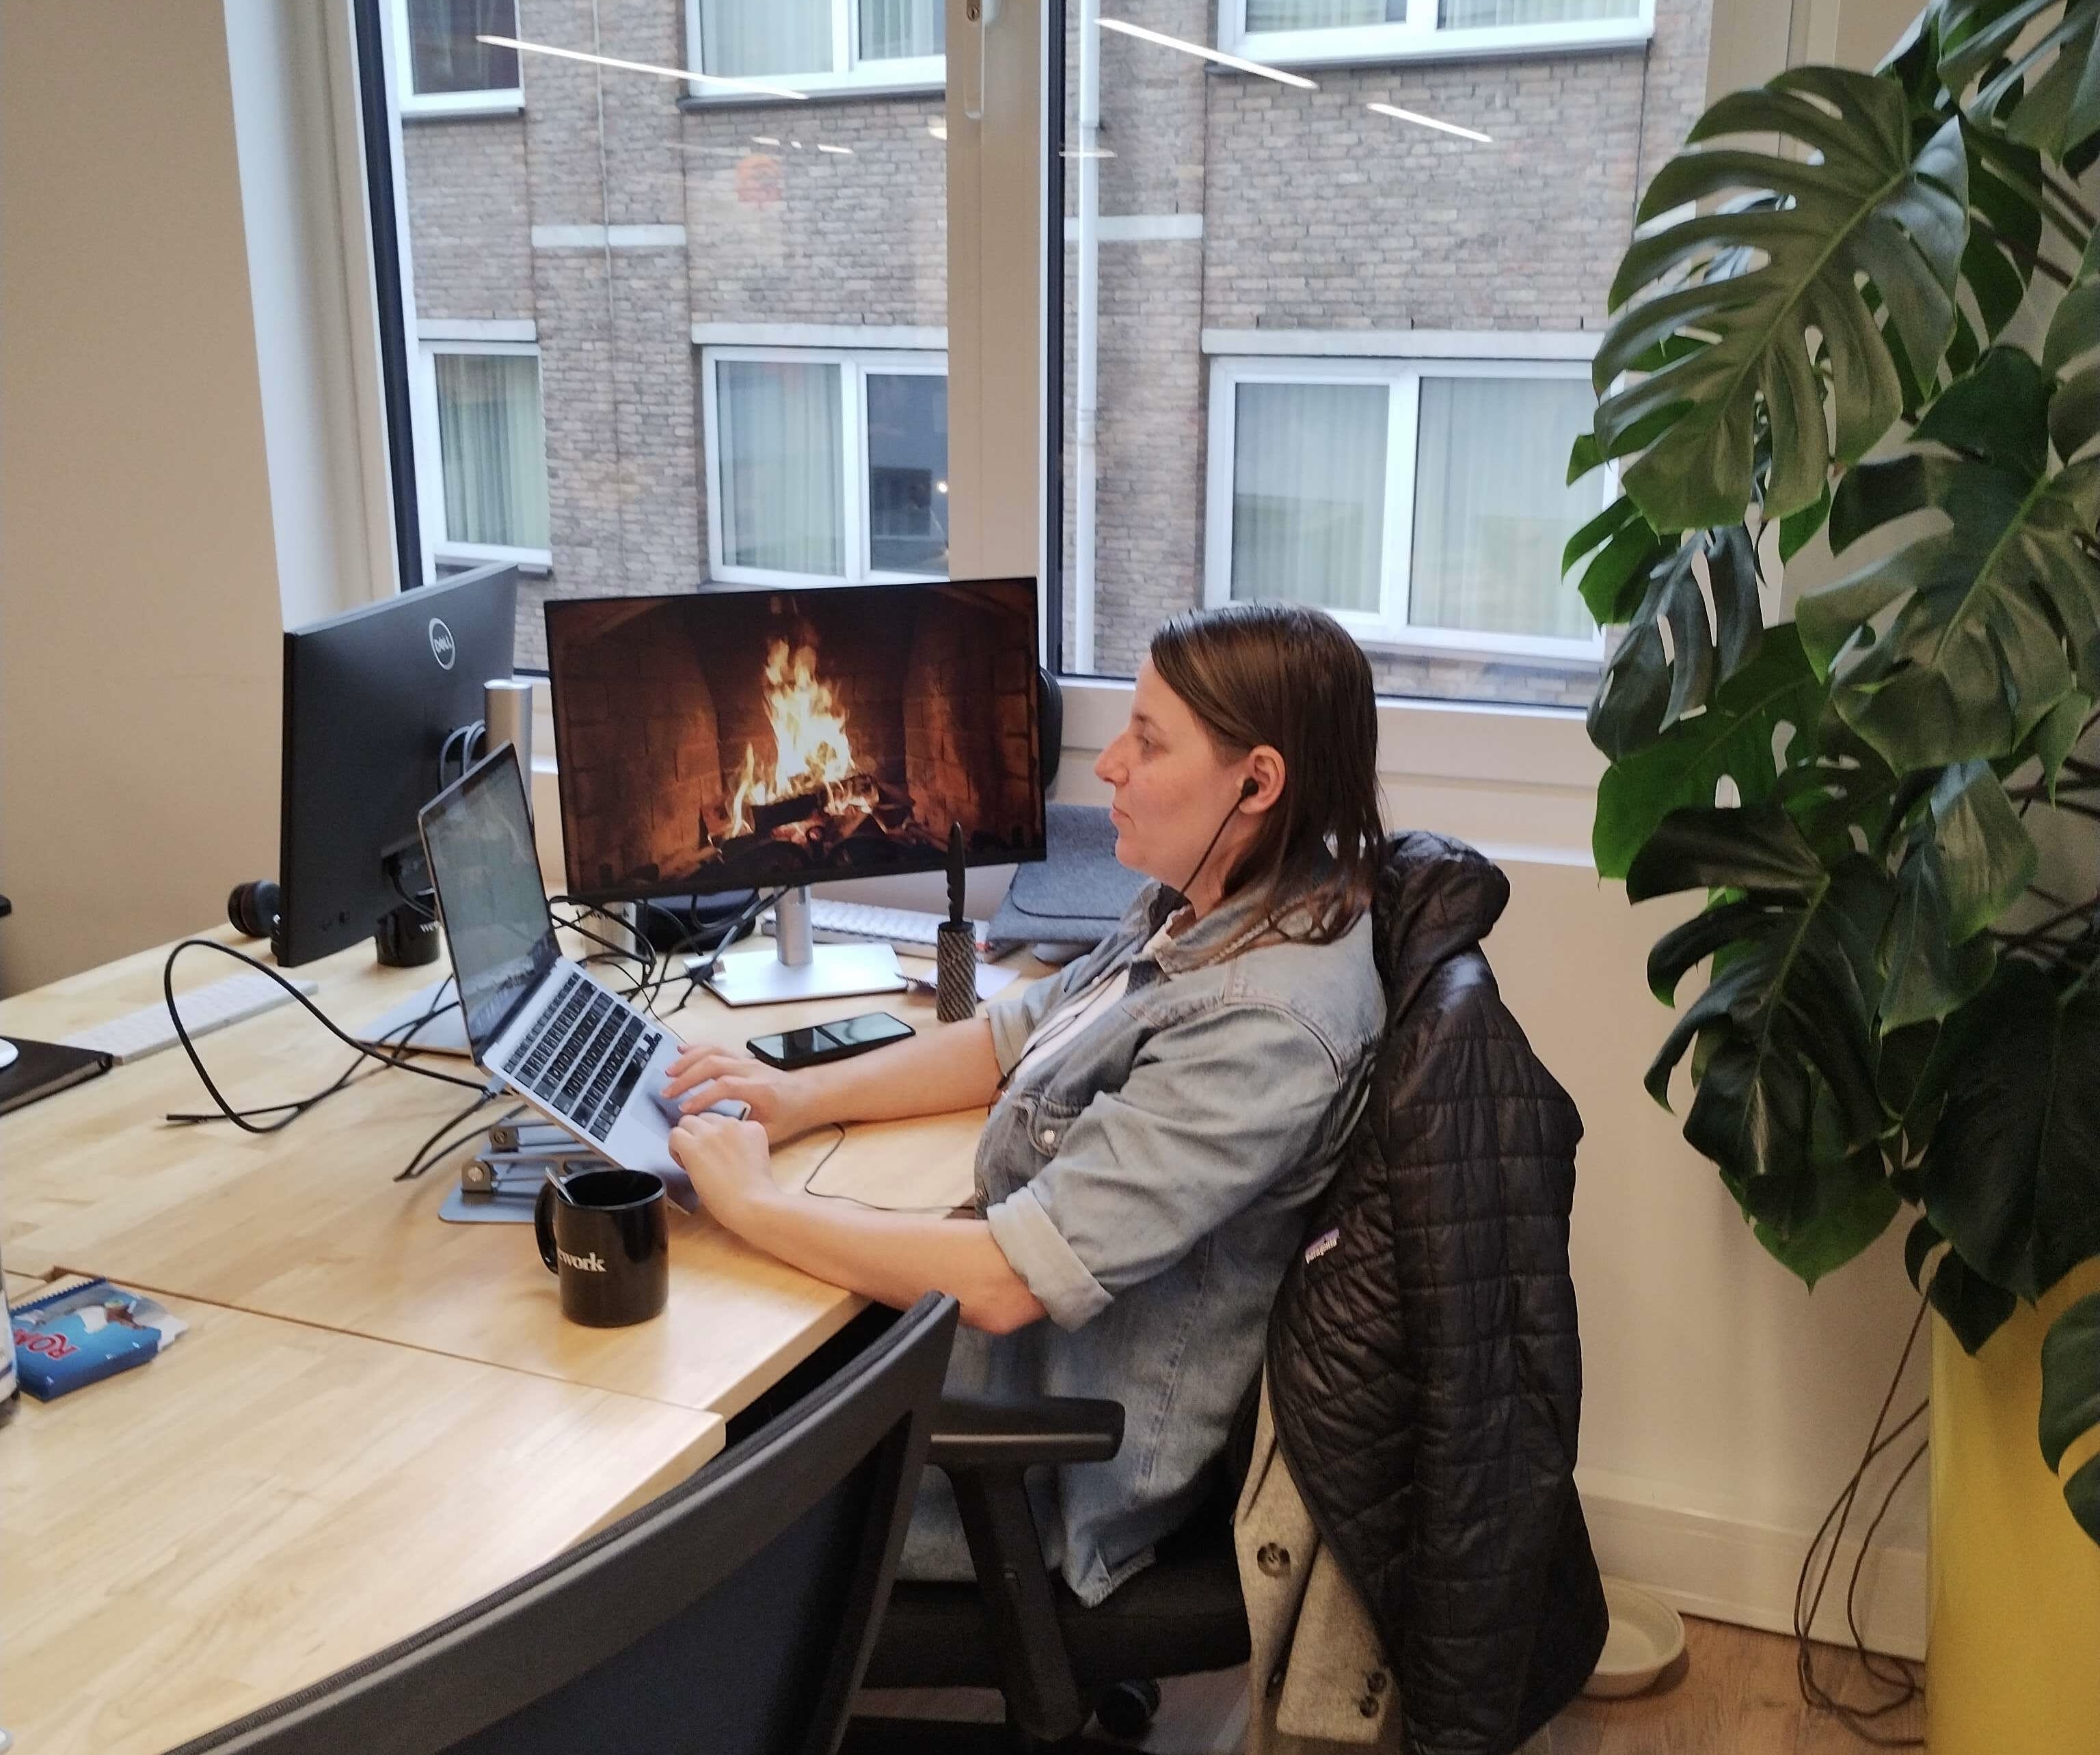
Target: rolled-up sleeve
1216, 1112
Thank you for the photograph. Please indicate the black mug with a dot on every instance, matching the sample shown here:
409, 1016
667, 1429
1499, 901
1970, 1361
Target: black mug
603, 1234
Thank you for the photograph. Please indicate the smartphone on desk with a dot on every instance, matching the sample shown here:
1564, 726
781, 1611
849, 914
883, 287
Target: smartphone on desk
793, 1048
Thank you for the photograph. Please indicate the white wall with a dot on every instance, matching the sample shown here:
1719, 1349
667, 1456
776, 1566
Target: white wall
138, 651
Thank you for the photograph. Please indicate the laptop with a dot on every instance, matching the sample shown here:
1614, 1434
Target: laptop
543, 1026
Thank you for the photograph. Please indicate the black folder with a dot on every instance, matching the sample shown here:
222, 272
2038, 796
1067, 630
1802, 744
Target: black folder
41, 1068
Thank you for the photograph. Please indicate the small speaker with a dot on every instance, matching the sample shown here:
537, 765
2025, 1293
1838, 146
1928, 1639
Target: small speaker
253, 908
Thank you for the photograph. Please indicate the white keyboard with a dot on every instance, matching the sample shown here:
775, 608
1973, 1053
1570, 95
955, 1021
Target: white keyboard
856, 923
149, 1030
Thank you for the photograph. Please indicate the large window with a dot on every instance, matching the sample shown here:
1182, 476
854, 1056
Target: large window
1324, 332
820, 44
1422, 503
564, 271
826, 463
444, 67
484, 481
1368, 30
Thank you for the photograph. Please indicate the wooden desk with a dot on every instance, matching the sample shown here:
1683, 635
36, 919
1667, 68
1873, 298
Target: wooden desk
267, 1502
309, 1225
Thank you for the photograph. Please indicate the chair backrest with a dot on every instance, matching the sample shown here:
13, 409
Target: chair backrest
732, 1614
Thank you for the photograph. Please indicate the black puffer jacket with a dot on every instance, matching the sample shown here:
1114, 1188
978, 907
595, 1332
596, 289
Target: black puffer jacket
1424, 1367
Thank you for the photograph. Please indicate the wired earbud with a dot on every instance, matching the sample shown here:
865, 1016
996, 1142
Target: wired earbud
1248, 787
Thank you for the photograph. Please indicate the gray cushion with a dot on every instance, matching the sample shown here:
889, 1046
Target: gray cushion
1076, 894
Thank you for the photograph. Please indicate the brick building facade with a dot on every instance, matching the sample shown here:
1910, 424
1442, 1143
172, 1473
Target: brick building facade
624, 228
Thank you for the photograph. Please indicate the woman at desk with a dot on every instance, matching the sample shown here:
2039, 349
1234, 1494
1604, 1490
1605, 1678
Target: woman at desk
1162, 1112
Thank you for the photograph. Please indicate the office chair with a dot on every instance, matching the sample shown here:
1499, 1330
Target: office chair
1056, 1662
732, 1614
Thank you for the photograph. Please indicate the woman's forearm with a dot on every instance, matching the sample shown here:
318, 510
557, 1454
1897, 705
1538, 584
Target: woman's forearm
952, 1067
893, 1258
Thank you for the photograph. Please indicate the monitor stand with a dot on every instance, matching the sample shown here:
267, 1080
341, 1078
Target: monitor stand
798, 968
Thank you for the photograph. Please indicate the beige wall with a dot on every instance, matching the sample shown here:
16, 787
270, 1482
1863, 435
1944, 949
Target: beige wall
138, 595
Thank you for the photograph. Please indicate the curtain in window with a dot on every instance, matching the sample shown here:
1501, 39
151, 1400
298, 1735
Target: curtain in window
1309, 493
891, 29
783, 466
751, 37
493, 447
1468, 15
907, 472
1491, 506
443, 54
1320, 14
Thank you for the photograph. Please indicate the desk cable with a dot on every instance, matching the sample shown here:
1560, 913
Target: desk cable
287, 1113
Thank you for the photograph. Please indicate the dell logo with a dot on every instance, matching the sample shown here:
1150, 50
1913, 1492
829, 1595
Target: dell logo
592, 1262
442, 648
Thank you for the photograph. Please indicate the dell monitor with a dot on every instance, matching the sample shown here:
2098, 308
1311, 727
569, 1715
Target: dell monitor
774, 738
381, 706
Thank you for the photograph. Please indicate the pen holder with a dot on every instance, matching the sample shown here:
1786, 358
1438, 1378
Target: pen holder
955, 955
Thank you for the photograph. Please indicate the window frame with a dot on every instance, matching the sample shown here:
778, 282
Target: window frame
847, 74
438, 546
1388, 630
1420, 38
856, 365
502, 100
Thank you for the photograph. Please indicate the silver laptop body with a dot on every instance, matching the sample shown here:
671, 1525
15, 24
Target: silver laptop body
542, 1023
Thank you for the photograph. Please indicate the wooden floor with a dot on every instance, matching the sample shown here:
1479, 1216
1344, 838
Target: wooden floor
1732, 1693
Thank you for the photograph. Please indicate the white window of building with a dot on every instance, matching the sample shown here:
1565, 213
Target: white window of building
445, 69
825, 464
819, 45
1424, 502
481, 446
1385, 30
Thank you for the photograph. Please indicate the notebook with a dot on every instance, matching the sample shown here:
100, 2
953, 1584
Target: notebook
41, 1068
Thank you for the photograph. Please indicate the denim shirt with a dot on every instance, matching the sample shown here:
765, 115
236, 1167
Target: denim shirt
1149, 1183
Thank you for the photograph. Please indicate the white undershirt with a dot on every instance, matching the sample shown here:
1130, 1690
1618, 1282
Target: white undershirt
1064, 1024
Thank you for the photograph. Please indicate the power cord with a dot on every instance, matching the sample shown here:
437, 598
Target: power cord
436, 1149
288, 1113
1896, 1674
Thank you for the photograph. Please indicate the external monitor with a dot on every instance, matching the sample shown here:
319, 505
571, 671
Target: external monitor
379, 703
775, 738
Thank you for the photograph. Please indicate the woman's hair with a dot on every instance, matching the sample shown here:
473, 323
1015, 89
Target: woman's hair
1288, 676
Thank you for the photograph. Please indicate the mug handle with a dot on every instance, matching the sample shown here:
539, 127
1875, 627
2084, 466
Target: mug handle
543, 1225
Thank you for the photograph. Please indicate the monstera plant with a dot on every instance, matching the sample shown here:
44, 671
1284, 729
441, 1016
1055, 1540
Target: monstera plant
1870, 304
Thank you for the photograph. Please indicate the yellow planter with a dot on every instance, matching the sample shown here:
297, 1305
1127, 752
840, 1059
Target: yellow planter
2013, 1665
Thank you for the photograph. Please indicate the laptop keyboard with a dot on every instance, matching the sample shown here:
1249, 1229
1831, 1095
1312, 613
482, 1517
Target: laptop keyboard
584, 1056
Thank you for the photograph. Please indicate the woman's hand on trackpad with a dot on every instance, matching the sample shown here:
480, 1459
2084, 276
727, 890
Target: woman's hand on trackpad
702, 1076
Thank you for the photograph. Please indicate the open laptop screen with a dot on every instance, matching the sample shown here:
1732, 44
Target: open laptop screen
479, 838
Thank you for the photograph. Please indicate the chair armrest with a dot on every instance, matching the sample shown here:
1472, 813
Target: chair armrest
972, 1433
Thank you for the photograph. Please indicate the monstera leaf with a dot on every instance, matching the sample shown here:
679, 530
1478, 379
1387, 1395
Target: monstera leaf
1760, 278
1648, 687
1969, 858
1974, 1309
1775, 696
1996, 617
2044, 90
2011, 1176
2071, 1404
1785, 1104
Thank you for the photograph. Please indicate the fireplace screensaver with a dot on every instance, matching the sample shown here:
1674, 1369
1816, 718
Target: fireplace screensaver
742, 739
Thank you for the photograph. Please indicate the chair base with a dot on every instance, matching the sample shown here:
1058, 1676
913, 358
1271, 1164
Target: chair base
948, 1736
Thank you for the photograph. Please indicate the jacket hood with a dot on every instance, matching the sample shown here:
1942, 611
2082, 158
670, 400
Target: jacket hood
1436, 898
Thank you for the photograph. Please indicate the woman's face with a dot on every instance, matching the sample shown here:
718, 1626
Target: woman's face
1172, 789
